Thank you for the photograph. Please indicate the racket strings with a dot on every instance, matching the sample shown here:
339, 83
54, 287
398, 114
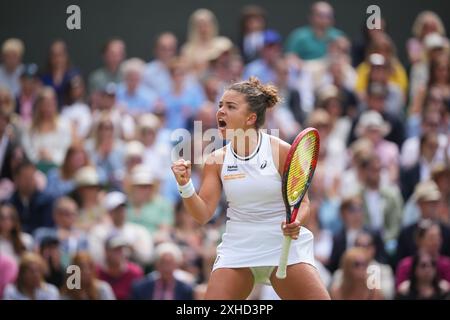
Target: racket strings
300, 170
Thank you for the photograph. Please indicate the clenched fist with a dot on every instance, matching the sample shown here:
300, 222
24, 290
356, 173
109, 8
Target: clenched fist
182, 171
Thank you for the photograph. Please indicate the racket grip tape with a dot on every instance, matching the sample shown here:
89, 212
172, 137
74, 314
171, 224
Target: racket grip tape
281, 271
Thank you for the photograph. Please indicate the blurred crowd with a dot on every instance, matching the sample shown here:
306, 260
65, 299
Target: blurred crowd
85, 163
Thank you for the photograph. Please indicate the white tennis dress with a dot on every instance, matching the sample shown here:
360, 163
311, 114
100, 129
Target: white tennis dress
253, 236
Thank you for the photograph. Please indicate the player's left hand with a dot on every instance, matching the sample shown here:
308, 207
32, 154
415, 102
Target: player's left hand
291, 229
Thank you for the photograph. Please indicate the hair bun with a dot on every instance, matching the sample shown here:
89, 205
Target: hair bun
269, 91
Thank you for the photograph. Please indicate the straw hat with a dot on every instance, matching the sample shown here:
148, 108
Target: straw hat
372, 120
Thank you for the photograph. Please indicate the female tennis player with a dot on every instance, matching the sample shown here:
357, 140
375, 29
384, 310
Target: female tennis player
249, 170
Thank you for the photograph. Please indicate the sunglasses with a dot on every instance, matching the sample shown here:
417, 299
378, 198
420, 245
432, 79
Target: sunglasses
364, 245
425, 265
359, 264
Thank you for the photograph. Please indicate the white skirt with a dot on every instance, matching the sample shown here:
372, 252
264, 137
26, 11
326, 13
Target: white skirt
249, 244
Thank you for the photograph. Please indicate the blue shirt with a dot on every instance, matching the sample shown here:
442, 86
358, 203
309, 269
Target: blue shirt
183, 107
141, 101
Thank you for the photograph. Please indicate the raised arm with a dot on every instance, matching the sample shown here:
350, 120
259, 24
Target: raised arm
201, 206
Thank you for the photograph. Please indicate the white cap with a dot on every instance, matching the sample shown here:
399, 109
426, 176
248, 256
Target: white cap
372, 119
114, 199
377, 59
134, 149
427, 191
87, 176
142, 175
434, 40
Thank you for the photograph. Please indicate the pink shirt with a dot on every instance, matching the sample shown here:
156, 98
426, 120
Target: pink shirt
8, 274
405, 265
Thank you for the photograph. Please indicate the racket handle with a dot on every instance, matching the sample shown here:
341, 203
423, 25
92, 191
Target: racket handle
281, 271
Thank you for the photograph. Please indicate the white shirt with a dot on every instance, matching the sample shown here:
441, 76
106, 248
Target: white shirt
375, 205
78, 114
46, 292
137, 236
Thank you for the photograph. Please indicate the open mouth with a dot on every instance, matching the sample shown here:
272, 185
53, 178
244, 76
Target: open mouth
221, 123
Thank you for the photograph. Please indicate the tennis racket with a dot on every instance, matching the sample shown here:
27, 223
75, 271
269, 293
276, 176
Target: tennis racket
298, 172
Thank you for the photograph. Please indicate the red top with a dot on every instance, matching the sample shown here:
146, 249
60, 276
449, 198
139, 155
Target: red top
122, 285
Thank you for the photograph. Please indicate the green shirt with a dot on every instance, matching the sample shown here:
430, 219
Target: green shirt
101, 77
304, 42
152, 215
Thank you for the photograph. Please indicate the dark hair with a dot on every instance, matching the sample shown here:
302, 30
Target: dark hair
413, 291
258, 96
21, 166
423, 227
15, 233
106, 45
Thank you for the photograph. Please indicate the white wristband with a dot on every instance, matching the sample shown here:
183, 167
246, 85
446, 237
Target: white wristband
187, 190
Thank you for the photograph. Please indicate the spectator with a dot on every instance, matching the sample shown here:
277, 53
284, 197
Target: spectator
264, 67
372, 127
91, 288
88, 194
33, 206
146, 207
427, 196
379, 73
441, 175
60, 181
330, 98
156, 75
48, 138
383, 45
30, 284
11, 67
429, 241
9, 271
202, 34
366, 241
13, 241
136, 236
376, 101
71, 238
439, 80
421, 171
117, 270
353, 218
340, 74
8, 107
156, 153
183, 101
427, 22
106, 150
59, 71
310, 42
26, 97
113, 53
253, 21
369, 35
124, 125
8, 143
288, 116
410, 150
382, 204
131, 93
164, 284
434, 45
49, 250
75, 110
424, 282
354, 264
